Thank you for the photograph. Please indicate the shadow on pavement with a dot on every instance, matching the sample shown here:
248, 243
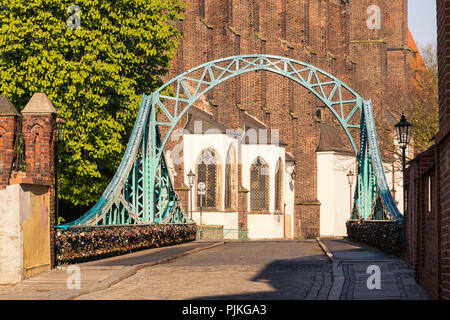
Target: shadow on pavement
290, 279
345, 249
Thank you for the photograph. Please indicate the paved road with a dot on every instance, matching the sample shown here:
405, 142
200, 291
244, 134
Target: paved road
259, 270
352, 261
53, 284
235, 270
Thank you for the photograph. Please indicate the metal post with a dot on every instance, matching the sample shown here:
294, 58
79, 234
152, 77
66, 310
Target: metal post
403, 177
55, 159
190, 199
201, 205
351, 201
404, 159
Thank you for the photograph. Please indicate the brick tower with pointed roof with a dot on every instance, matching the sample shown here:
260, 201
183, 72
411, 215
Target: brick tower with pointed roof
38, 128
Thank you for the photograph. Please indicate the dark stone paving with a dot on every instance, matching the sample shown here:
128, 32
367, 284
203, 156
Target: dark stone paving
255, 252
354, 259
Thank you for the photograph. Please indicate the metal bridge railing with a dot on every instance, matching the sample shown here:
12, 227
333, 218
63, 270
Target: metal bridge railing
211, 233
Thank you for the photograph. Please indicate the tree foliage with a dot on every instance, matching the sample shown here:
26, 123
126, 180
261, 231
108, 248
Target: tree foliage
94, 75
424, 103
420, 106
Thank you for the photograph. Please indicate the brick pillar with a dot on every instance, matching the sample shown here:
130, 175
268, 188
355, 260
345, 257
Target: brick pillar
307, 219
38, 128
183, 195
9, 122
242, 207
242, 203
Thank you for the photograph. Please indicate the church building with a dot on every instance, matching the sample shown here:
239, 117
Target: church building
269, 156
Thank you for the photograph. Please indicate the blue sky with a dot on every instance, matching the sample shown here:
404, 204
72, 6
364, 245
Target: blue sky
422, 21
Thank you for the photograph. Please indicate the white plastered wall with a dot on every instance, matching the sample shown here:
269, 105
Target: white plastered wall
263, 226
260, 225
13, 211
334, 190
193, 145
289, 198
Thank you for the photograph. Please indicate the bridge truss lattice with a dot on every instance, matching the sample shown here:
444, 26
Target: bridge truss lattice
142, 192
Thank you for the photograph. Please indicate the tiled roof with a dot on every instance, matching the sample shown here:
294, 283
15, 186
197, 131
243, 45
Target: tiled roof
330, 139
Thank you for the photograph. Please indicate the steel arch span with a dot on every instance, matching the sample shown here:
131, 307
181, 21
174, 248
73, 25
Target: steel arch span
141, 191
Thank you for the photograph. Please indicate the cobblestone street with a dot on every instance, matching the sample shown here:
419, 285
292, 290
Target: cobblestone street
252, 270
236, 270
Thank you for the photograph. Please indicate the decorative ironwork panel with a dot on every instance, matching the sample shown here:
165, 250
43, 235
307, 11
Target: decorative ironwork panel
259, 186
19, 150
207, 173
228, 186
141, 191
279, 186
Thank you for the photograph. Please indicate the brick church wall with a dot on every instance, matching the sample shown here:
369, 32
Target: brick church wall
329, 34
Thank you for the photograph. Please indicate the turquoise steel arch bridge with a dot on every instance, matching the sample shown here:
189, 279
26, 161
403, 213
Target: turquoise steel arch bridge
141, 191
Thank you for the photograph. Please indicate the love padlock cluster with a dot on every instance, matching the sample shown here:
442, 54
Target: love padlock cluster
80, 245
384, 235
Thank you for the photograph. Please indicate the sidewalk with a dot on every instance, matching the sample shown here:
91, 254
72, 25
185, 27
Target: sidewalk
350, 273
97, 275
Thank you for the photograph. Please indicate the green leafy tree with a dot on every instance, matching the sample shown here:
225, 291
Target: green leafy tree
93, 60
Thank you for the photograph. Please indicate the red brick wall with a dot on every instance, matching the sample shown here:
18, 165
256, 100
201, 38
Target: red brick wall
410, 224
421, 226
427, 246
333, 29
8, 127
444, 165
38, 132
443, 139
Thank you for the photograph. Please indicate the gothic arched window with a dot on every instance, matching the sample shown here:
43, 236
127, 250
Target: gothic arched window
207, 172
278, 186
259, 185
230, 180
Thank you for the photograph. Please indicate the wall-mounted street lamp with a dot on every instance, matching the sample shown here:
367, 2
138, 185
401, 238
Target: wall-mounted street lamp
403, 132
292, 171
293, 174
60, 128
191, 177
350, 176
59, 132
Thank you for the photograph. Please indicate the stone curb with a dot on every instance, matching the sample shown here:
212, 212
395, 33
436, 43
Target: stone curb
336, 272
127, 272
325, 249
338, 280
